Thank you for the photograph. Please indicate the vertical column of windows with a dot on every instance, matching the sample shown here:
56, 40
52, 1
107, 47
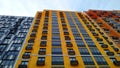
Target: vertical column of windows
94, 50
57, 58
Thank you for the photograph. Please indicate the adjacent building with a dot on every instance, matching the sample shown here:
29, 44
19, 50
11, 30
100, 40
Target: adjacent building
13, 31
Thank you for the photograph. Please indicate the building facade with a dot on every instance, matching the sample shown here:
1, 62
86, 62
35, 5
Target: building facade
109, 21
13, 31
66, 39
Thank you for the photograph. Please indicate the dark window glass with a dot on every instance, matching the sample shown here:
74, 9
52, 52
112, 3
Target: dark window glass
56, 51
83, 51
95, 51
100, 60
87, 60
57, 60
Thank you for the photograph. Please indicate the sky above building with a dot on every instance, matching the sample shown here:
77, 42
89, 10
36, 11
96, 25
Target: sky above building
30, 7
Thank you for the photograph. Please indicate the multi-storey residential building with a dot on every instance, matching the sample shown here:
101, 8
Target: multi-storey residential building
66, 39
13, 31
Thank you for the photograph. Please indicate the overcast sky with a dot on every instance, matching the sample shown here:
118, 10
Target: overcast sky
30, 7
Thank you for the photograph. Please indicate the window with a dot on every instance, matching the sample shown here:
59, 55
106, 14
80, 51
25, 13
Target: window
95, 51
56, 43
78, 38
18, 40
69, 44
57, 60
99, 39
92, 30
108, 52
66, 33
43, 43
80, 43
15, 48
23, 64
34, 30
33, 35
116, 49
31, 40
21, 34
26, 55
9, 36
91, 44
45, 24
2, 47
55, 28
100, 60
55, 34
67, 38
55, 25
11, 57
65, 28
74, 31
45, 28
87, 39
16, 45
44, 32
95, 34
64, 25
87, 60
56, 51
41, 61
83, 31
24, 30
44, 38
29, 47
77, 35
56, 38
6, 41
83, 51
115, 61
42, 51
104, 45
7, 63
89, 26
25, 27
38, 20
85, 35
71, 51
73, 61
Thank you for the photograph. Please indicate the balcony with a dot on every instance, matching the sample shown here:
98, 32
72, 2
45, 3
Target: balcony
26, 55
41, 61
73, 61
71, 51
42, 51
